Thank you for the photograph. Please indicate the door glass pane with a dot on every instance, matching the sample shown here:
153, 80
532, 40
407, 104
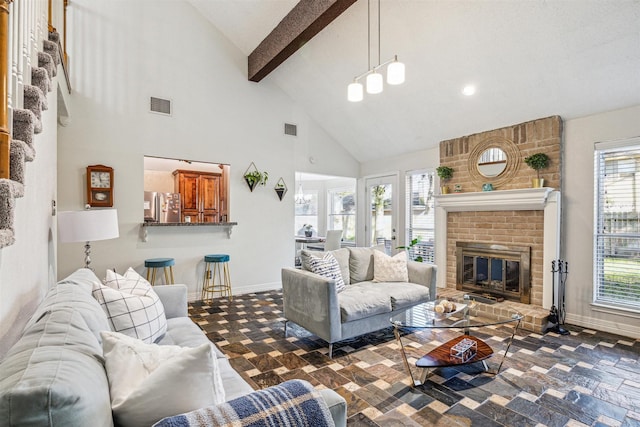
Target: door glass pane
381, 213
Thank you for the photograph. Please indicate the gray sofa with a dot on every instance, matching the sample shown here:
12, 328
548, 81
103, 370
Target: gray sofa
312, 301
54, 375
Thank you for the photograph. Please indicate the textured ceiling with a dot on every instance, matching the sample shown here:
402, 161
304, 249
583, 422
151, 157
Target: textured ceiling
528, 58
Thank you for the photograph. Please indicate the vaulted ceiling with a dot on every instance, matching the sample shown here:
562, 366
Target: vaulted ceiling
527, 58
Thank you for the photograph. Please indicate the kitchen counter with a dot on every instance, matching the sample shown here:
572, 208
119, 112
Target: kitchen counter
145, 225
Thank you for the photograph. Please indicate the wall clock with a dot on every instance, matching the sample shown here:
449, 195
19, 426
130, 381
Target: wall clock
100, 186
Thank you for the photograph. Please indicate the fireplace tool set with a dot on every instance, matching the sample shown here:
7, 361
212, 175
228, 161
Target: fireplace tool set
560, 269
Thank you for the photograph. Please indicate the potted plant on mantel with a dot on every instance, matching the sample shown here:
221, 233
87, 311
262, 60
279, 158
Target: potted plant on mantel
536, 162
445, 173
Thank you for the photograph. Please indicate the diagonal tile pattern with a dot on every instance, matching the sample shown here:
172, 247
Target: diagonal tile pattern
587, 378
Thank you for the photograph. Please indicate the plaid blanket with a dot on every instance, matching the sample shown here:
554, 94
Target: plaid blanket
290, 404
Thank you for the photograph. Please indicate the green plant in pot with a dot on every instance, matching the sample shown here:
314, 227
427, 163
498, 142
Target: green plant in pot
536, 162
410, 246
256, 177
445, 173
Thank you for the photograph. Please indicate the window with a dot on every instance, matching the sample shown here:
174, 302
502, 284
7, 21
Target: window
342, 212
617, 224
306, 211
420, 215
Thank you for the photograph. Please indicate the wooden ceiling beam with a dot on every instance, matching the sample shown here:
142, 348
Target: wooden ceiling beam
305, 20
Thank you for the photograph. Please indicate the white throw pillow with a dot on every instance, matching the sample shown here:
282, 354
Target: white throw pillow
132, 306
148, 382
328, 267
390, 269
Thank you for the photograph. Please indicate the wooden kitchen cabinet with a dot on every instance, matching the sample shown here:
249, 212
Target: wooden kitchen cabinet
199, 195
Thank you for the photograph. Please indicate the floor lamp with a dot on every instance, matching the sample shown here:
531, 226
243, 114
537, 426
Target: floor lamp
88, 226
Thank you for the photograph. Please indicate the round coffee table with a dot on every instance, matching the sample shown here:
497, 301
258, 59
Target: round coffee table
460, 350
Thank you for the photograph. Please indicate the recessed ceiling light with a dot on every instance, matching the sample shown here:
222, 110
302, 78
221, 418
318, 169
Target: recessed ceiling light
469, 90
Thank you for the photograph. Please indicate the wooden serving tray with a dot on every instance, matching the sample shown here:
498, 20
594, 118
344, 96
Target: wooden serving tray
440, 356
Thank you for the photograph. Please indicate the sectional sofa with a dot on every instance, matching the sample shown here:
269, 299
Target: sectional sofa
55, 374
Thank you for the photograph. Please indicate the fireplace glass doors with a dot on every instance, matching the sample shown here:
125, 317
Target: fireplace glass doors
496, 270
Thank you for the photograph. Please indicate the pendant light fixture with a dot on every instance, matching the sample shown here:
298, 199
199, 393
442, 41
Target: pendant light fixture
300, 198
374, 80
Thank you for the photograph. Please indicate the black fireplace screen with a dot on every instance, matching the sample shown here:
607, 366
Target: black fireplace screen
492, 274
494, 269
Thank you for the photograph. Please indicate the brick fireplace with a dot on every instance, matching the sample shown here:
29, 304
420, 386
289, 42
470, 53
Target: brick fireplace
514, 215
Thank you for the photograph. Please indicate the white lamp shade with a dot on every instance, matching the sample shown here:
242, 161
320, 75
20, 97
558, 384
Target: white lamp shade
88, 225
395, 73
355, 92
374, 83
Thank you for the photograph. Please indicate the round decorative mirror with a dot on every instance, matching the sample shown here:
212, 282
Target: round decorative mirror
492, 162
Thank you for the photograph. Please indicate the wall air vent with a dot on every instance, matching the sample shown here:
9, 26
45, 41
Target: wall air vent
161, 106
290, 129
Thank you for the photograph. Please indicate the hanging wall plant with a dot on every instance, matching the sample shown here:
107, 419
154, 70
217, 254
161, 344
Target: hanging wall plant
254, 177
281, 188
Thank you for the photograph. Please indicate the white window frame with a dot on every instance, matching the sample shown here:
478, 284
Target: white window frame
330, 214
409, 235
603, 239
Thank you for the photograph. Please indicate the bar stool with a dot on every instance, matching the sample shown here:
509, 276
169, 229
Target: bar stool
153, 264
216, 279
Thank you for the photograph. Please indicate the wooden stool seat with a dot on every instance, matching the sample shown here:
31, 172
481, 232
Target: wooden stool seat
153, 264
216, 278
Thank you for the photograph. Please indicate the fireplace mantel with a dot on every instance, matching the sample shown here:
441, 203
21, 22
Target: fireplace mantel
537, 199
522, 199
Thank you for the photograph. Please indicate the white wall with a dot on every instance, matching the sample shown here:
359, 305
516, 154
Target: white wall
122, 52
580, 135
27, 268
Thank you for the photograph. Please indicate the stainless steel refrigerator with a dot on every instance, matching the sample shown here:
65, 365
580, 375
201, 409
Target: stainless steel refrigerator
161, 207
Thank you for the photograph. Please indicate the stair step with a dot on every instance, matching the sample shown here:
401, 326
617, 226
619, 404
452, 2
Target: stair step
8, 191
24, 128
51, 48
46, 61
40, 78
18, 154
33, 101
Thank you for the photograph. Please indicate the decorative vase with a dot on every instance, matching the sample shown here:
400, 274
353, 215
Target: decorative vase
444, 189
308, 233
537, 182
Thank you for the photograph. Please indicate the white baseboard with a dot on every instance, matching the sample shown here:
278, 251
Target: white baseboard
260, 287
618, 328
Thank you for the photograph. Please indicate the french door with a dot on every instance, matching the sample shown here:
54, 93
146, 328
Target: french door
381, 211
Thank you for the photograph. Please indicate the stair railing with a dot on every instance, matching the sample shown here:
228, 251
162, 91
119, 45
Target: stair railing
23, 26
5, 93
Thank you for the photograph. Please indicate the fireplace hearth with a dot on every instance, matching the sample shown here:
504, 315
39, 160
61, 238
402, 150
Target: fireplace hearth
496, 271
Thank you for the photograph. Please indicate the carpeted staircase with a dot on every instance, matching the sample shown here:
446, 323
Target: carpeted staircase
27, 123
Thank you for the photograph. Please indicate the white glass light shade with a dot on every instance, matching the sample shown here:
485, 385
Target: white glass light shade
374, 83
395, 73
355, 92
88, 225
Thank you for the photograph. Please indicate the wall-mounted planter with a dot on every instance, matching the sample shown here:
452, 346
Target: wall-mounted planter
280, 188
253, 177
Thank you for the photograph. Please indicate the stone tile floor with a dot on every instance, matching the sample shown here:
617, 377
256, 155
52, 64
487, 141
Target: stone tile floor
587, 378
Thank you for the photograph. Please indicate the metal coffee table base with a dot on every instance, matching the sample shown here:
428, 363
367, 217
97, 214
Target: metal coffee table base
440, 356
